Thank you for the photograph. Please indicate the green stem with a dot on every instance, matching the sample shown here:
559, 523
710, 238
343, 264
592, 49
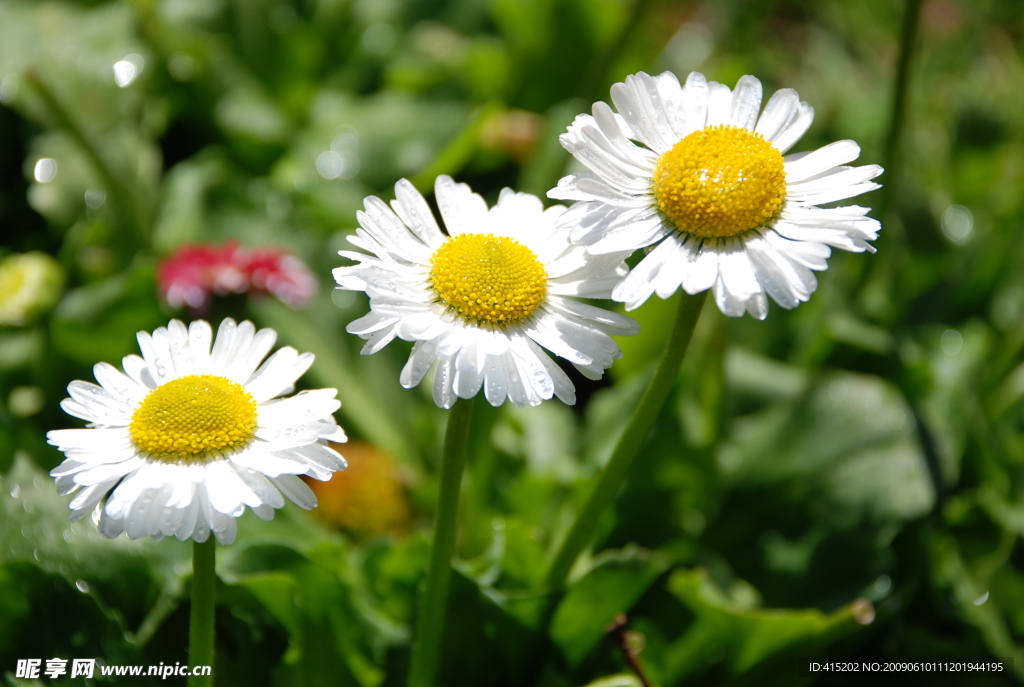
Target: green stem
200, 635
614, 474
426, 652
901, 87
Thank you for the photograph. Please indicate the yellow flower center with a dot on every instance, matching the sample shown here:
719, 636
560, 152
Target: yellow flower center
488, 279
188, 418
720, 181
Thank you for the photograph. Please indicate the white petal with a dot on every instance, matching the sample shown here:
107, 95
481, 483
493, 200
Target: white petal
225, 528
415, 213
188, 523
423, 355
102, 472
563, 387
178, 345
776, 274
200, 338
821, 160
719, 104
378, 340
757, 306
638, 285
118, 384
296, 490
263, 459
462, 210
746, 101
536, 379
797, 127
87, 499
605, 320
704, 272
92, 440
639, 103
782, 108
110, 527
242, 341
615, 129
444, 392
222, 344
469, 371
278, 373
244, 364
136, 368
695, 102
495, 386
304, 407
672, 102
388, 228
371, 322
737, 273
157, 354
515, 384
327, 459
228, 493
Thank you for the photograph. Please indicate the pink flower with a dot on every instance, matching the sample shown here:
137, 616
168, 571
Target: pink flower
275, 272
194, 273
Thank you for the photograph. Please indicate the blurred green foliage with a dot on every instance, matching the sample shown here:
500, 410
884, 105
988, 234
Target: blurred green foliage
845, 480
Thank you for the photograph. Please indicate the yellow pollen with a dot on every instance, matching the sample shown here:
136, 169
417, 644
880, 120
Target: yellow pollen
188, 418
720, 181
488, 279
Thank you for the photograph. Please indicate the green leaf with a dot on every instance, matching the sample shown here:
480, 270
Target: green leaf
615, 582
741, 636
847, 447
309, 596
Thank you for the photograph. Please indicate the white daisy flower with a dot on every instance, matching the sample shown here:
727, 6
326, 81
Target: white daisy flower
484, 299
187, 437
696, 171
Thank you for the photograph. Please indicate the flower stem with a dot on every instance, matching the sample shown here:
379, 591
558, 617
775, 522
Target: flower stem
614, 474
898, 114
204, 581
426, 652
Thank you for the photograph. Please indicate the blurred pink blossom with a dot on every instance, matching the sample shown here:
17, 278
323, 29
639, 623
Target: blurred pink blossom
195, 273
